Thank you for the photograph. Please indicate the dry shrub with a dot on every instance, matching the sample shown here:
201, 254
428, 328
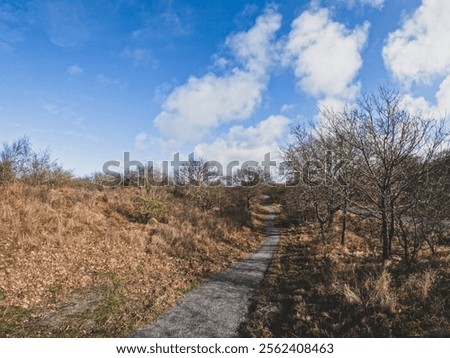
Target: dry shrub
322, 289
419, 285
56, 241
381, 292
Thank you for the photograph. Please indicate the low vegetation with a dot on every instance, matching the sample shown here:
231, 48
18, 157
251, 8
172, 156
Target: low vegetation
320, 289
78, 259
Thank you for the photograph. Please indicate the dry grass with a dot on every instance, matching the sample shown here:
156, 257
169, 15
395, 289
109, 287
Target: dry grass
321, 289
85, 262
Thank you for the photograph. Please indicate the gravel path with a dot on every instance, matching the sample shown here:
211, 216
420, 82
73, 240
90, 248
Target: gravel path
218, 307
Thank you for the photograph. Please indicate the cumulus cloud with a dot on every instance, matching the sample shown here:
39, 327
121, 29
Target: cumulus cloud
420, 49
326, 56
254, 47
246, 143
418, 105
443, 96
204, 103
419, 52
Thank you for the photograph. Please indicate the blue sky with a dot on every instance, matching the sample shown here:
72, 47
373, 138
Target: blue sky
225, 79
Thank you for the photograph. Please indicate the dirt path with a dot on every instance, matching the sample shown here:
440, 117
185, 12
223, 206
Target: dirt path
217, 308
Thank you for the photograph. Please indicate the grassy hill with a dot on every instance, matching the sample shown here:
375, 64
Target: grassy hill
82, 260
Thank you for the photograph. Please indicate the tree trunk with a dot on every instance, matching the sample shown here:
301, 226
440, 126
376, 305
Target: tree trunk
384, 230
344, 222
391, 227
321, 222
404, 239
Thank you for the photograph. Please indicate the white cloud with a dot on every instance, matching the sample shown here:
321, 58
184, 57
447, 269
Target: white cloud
159, 148
337, 104
287, 107
326, 56
192, 109
246, 143
219, 63
378, 4
420, 50
201, 104
419, 105
443, 96
141, 141
74, 70
416, 105
254, 47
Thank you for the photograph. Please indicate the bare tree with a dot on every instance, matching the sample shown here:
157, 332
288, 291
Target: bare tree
14, 159
385, 139
425, 208
247, 179
18, 161
319, 188
198, 180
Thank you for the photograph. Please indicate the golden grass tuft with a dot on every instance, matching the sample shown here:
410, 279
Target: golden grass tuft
382, 293
351, 296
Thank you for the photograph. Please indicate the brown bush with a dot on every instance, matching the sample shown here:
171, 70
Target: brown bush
56, 242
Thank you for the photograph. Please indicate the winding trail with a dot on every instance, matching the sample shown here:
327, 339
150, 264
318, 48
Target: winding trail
218, 307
